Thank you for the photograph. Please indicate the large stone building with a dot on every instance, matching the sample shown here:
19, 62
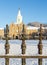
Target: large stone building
16, 28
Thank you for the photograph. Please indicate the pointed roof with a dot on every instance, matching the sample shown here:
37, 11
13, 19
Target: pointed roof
19, 13
19, 17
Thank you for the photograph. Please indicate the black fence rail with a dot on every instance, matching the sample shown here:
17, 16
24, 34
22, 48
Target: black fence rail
23, 48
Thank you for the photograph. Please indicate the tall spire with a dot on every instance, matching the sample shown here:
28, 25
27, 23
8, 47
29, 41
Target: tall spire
19, 13
19, 17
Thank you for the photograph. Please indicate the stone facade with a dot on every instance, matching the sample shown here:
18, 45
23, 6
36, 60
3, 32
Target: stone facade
30, 31
15, 29
1, 33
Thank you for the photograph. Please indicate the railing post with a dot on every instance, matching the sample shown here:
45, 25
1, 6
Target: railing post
23, 46
40, 45
6, 31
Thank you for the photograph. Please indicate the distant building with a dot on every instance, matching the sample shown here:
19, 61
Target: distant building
31, 29
16, 28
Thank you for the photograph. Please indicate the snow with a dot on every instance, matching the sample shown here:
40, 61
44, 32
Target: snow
32, 28
1, 28
15, 49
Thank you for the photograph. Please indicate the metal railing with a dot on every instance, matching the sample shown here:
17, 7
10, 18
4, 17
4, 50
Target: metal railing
23, 48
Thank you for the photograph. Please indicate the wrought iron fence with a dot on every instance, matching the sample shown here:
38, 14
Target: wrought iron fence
23, 48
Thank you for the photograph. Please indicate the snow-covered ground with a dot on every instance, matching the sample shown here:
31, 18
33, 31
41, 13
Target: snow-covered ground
15, 49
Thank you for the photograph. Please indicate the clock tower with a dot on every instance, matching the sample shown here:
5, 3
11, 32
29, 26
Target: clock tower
19, 17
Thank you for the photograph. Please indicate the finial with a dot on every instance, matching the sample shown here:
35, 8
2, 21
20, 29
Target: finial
19, 8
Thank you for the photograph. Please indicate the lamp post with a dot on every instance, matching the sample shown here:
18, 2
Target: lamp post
6, 32
40, 46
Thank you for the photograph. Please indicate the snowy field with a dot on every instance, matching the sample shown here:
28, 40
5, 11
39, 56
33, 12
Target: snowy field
15, 49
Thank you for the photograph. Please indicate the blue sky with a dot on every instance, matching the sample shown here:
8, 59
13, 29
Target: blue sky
31, 10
